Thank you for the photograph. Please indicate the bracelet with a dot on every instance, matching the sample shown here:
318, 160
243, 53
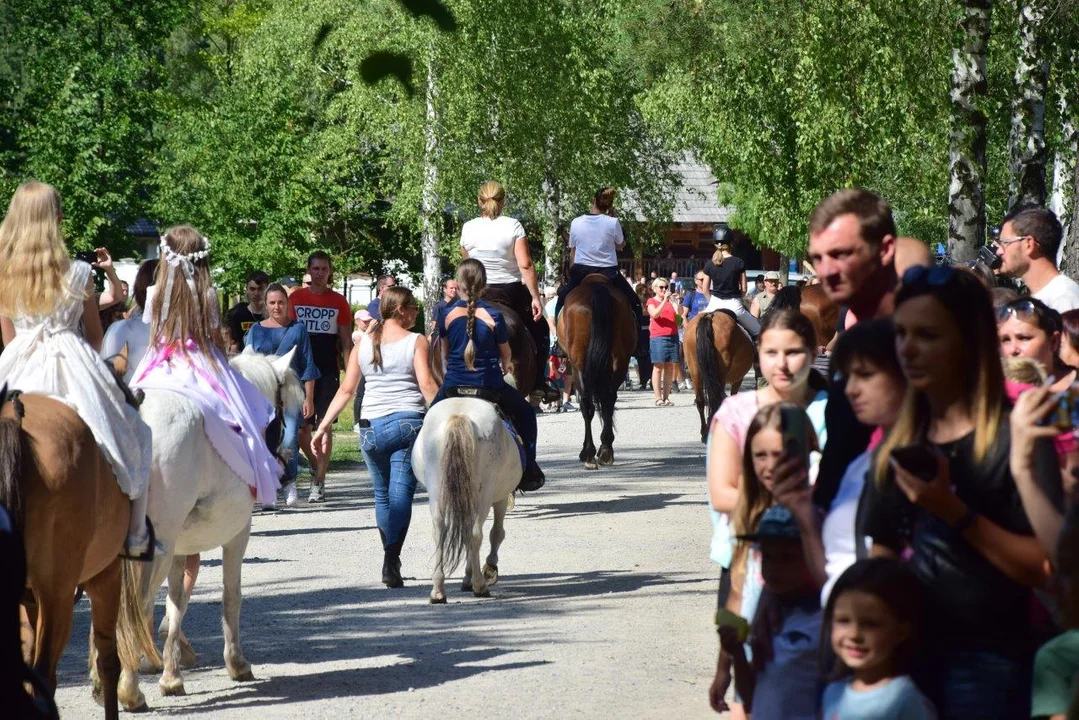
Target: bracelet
966, 521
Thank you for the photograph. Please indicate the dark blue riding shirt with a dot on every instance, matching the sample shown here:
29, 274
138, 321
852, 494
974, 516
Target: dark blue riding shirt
485, 339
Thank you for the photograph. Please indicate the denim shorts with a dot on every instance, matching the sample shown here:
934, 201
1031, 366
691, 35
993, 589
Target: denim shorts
664, 349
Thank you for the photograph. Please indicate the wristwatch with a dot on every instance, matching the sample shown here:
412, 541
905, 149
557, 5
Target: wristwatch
966, 521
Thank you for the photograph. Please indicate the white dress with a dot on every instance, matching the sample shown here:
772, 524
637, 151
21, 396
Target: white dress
50, 357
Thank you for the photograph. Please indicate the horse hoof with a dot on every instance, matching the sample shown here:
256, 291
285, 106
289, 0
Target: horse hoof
245, 676
438, 600
590, 465
173, 687
140, 708
188, 657
484, 593
490, 574
148, 667
606, 459
466, 586
98, 694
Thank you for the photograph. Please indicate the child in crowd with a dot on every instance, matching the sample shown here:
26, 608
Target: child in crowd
782, 681
873, 619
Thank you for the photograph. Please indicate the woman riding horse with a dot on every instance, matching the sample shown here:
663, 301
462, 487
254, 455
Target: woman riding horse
594, 240
476, 345
498, 242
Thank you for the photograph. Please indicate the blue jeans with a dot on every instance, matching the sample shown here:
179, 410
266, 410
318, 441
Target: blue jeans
387, 448
290, 441
977, 684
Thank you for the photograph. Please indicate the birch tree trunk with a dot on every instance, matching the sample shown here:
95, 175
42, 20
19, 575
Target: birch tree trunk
432, 266
1026, 141
1070, 265
1066, 158
966, 151
552, 236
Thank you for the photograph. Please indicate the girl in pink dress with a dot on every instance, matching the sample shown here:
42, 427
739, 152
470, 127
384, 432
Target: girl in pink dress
185, 357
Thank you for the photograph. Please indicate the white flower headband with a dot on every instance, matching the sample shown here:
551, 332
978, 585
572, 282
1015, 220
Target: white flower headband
186, 263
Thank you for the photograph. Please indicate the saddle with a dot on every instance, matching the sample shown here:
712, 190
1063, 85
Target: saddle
491, 396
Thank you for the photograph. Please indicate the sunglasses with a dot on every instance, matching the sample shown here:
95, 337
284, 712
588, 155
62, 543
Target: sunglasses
934, 276
1025, 310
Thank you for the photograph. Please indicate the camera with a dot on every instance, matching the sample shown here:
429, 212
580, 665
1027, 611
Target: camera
87, 256
988, 255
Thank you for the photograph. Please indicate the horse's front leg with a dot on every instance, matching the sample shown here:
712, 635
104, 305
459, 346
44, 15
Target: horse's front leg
172, 681
498, 534
232, 559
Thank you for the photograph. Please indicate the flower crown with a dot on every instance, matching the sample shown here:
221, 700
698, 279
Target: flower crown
172, 256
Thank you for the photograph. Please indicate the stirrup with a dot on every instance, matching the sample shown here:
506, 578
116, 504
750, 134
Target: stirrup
151, 548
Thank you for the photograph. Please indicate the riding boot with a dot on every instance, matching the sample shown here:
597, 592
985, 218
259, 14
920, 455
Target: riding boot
532, 479
391, 565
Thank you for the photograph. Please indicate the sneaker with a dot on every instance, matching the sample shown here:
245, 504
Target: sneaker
318, 493
291, 494
687, 385
568, 407
356, 428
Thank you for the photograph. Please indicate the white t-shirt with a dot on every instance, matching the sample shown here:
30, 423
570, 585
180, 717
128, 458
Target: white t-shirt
1061, 294
837, 531
596, 238
491, 242
132, 332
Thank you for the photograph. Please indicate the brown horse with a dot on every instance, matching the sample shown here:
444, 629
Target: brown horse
73, 519
718, 352
598, 331
821, 311
522, 350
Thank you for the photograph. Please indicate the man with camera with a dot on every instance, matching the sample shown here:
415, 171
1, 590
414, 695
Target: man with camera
1027, 248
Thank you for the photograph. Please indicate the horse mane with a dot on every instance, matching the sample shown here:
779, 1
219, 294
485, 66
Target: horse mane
259, 371
787, 297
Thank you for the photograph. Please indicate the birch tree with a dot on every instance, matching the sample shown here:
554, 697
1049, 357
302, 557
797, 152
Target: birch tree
1026, 140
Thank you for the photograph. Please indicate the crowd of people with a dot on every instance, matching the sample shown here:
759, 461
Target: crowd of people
893, 536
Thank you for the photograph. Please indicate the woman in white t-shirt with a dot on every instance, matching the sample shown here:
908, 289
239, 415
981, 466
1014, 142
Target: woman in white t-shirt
499, 243
594, 240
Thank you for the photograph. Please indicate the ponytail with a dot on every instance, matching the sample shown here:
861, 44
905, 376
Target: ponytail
721, 254
604, 199
490, 198
394, 299
376, 344
470, 348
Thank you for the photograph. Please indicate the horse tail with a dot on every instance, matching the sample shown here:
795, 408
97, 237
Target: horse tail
598, 357
713, 372
11, 465
458, 499
133, 638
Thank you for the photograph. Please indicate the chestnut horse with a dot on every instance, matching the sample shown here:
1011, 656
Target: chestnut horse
812, 301
599, 333
73, 519
522, 350
718, 352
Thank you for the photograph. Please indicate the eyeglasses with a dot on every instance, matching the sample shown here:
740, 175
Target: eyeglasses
661, 287
934, 276
1003, 243
700, 279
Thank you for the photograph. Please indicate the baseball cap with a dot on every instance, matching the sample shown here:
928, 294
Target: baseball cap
363, 316
288, 281
777, 523
771, 275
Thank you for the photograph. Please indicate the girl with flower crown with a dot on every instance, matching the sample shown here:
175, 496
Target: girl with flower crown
45, 297
185, 357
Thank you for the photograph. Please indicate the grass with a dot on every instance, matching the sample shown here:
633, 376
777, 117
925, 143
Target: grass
346, 445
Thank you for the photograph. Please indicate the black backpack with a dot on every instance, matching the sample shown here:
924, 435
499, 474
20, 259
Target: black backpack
13, 671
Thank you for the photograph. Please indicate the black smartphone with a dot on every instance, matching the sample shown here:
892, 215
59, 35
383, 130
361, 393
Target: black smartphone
918, 460
989, 256
87, 256
794, 426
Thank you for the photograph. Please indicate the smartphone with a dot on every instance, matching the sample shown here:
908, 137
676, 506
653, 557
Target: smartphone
87, 256
918, 460
726, 618
794, 425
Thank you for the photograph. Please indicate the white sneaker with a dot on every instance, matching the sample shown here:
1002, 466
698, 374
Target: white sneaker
568, 407
687, 385
318, 493
291, 494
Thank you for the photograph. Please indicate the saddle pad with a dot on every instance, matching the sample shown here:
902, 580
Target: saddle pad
516, 438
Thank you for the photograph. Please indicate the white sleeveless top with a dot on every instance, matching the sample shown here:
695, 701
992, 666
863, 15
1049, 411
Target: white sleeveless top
393, 388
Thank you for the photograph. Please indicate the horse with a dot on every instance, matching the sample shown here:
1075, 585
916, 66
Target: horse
522, 351
718, 352
815, 304
197, 503
73, 519
599, 333
467, 457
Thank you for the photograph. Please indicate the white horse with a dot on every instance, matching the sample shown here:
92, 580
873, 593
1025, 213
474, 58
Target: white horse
197, 503
469, 462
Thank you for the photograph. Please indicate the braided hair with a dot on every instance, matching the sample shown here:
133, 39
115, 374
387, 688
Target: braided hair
471, 281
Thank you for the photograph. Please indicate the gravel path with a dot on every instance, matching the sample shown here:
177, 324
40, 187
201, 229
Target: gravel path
604, 603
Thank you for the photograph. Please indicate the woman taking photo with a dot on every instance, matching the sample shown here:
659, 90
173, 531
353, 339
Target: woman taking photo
393, 361
278, 335
728, 275
948, 499
498, 242
1027, 327
663, 340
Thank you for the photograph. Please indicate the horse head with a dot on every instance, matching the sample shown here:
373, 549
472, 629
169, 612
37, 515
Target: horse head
273, 376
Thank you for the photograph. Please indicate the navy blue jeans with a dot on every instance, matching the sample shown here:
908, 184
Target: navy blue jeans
387, 448
976, 684
519, 412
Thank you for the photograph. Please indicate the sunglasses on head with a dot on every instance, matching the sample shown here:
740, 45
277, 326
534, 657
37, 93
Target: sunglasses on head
1023, 309
934, 276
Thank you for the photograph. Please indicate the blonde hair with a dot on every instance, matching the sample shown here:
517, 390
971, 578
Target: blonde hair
33, 258
721, 254
392, 301
471, 281
1024, 370
657, 281
184, 314
491, 196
